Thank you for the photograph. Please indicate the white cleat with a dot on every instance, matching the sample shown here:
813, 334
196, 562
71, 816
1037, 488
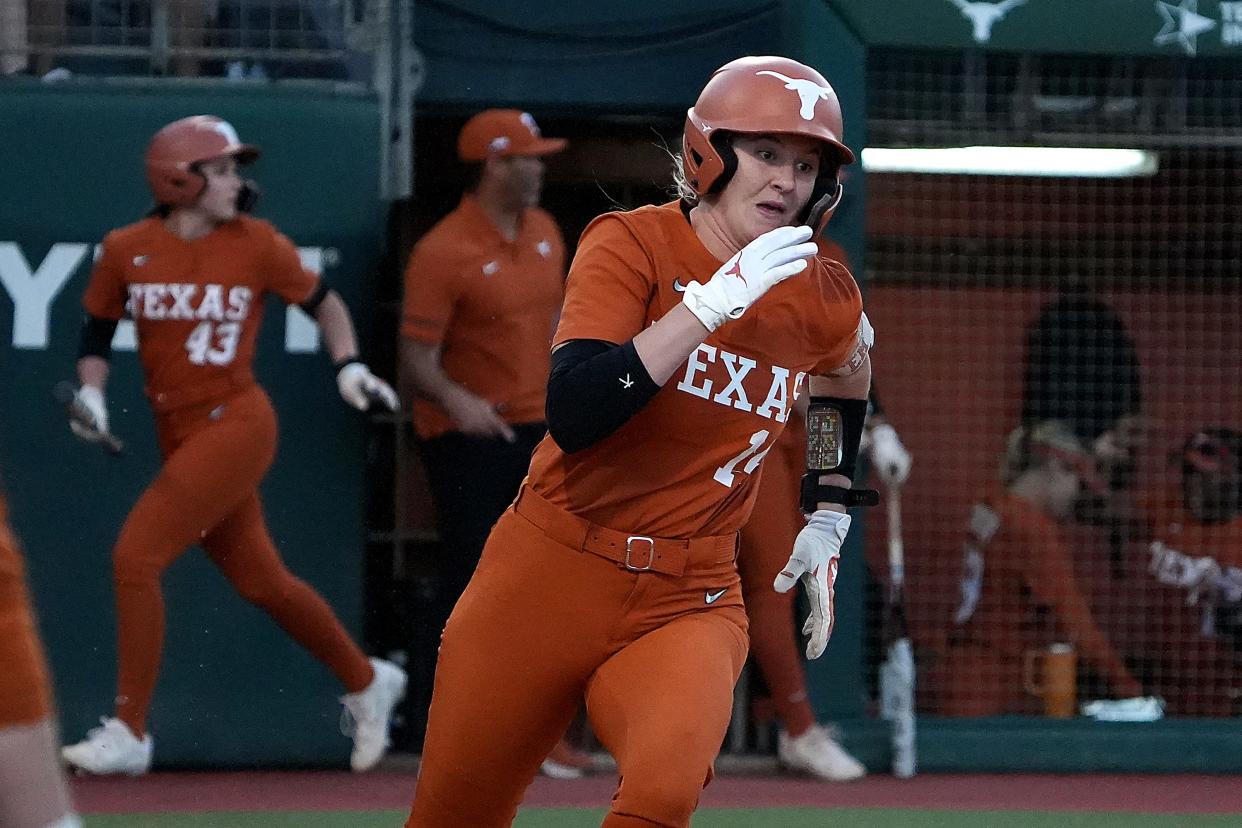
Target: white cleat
368, 712
818, 754
109, 749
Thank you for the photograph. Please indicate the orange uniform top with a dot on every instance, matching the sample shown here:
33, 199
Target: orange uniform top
1187, 558
1019, 593
197, 304
687, 464
491, 304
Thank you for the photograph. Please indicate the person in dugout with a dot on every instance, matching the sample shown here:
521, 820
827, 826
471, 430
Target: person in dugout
1018, 590
1186, 576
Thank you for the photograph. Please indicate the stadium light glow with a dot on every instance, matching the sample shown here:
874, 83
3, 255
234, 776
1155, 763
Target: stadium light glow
1068, 162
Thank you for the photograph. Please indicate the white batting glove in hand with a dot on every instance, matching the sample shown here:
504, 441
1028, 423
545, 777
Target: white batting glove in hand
359, 387
738, 284
89, 405
816, 552
890, 458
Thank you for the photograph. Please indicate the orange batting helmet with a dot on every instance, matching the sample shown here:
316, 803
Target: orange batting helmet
177, 147
762, 95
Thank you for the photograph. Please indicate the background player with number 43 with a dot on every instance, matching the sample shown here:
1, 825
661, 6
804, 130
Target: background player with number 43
192, 276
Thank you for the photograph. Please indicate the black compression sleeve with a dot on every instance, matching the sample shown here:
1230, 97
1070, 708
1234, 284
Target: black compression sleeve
312, 302
594, 388
95, 338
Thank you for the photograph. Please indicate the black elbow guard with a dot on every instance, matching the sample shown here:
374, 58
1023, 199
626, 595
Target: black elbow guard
95, 338
594, 388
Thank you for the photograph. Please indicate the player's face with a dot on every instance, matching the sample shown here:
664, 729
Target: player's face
1063, 485
525, 179
774, 179
219, 199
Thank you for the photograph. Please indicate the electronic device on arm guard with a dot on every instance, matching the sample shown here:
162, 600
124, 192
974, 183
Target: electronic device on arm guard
833, 433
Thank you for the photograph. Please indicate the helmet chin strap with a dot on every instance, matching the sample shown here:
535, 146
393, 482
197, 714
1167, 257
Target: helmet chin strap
815, 211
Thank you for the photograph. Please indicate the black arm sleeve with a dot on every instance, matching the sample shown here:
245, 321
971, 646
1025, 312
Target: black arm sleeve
95, 338
594, 388
313, 301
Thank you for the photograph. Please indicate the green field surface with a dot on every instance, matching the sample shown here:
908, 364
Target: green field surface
707, 818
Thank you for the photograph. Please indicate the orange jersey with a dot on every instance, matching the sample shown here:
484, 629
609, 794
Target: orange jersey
688, 463
1186, 563
1019, 593
1186, 568
490, 303
197, 304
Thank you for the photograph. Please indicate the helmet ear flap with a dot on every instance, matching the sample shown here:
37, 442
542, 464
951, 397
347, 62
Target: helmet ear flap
722, 142
826, 194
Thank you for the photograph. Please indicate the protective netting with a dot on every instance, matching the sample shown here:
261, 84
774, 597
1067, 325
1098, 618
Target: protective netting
1063, 358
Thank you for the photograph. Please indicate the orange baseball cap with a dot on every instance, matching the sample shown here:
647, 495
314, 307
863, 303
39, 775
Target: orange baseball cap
501, 132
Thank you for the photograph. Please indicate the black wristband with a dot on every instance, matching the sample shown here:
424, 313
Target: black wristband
340, 364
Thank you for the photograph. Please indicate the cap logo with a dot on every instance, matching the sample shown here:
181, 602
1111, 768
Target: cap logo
498, 144
224, 128
809, 92
528, 121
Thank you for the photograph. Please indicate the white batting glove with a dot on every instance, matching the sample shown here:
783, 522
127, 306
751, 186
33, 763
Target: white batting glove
90, 420
738, 284
891, 459
359, 387
816, 552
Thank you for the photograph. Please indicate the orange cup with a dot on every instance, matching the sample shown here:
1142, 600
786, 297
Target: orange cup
1056, 669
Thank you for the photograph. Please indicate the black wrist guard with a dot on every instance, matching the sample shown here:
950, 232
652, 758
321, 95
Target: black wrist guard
815, 493
341, 363
834, 429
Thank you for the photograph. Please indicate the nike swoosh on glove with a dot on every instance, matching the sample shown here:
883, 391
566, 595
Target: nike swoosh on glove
359, 387
90, 401
738, 284
817, 549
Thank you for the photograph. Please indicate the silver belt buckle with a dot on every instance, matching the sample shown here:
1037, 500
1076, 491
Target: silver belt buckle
629, 550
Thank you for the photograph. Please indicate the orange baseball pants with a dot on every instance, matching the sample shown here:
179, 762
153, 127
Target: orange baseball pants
25, 690
767, 541
215, 455
543, 624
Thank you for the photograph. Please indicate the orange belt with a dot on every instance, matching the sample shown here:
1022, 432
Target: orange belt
637, 553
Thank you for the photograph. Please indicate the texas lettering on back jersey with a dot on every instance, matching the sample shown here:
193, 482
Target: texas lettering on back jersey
688, 463
196, 304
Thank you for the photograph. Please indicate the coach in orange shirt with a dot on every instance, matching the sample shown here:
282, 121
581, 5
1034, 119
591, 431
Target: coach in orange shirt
193, 276
483, 290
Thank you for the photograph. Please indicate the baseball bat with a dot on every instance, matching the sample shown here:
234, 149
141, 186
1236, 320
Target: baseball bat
897, 671
67, 395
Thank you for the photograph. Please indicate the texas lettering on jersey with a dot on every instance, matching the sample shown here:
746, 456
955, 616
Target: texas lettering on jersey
195, 305
187, 302
777, 400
